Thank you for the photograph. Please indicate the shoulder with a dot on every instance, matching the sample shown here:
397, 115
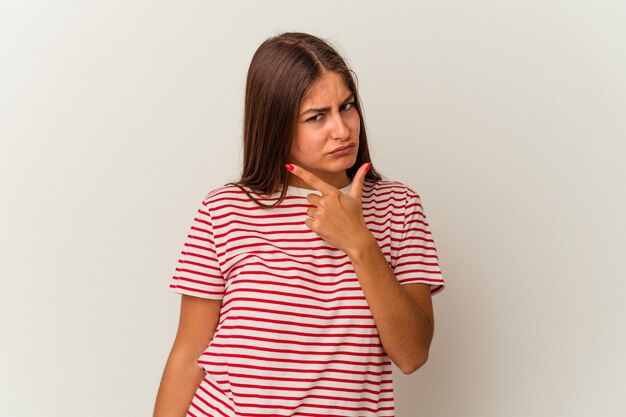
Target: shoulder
388, 187
222, 193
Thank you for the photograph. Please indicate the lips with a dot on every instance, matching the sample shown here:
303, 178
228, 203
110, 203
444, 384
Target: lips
341, 148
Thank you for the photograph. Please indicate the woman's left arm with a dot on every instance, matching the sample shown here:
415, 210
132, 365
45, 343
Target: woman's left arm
403, 313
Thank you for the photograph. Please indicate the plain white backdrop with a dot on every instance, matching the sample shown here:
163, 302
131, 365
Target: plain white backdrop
507, 117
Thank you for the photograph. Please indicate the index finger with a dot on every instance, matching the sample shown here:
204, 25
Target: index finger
311, 179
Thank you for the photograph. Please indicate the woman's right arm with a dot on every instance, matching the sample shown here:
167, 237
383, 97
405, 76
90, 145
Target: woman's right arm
182, 375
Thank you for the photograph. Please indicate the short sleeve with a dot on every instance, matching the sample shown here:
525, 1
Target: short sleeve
198, 270
416, 258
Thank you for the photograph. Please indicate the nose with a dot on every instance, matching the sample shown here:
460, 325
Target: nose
339, 129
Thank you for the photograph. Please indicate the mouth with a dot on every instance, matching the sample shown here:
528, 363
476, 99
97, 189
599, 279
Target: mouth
343, 148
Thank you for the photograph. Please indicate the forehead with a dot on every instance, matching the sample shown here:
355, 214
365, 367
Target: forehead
331, 86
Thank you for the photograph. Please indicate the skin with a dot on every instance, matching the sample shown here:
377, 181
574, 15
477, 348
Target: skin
403, 313
317, 133
182, 375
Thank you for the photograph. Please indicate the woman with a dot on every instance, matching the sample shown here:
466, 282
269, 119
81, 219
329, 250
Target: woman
305, 279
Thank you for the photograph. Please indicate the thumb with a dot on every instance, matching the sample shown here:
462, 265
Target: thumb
357, 183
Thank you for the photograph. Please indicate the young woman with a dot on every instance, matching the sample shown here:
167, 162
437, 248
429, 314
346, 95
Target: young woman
304, 280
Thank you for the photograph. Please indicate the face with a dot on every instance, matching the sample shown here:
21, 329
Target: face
327, 119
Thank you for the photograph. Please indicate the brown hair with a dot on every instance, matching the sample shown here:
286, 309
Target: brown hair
282, 70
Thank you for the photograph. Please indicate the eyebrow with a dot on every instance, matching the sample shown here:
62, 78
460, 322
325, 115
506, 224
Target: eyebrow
325, 109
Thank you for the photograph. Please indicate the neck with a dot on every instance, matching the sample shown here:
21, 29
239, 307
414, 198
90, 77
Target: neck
337, 182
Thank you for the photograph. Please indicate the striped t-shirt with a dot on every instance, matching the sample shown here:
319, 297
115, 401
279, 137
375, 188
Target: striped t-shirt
296, 336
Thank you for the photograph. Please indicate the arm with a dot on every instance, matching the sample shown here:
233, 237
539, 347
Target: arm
182, 375
403, 314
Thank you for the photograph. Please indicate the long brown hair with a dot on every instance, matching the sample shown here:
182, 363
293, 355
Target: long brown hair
282, 70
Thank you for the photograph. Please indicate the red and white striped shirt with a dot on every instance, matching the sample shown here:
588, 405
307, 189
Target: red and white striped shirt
296, 336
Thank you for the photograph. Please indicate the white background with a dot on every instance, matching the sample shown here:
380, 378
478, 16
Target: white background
507, 117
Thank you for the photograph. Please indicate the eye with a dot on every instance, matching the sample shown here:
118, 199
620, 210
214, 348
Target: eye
315, 119
349, 106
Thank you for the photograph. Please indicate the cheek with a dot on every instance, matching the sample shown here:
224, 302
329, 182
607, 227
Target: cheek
308, 140
355, 125
302, 144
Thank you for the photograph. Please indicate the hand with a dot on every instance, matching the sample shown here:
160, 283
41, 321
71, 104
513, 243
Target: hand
337, 217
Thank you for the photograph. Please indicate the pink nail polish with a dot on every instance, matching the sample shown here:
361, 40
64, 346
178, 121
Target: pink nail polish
289, 167
369, 164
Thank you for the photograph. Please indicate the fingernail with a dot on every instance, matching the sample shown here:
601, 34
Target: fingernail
369, 164
289, 167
